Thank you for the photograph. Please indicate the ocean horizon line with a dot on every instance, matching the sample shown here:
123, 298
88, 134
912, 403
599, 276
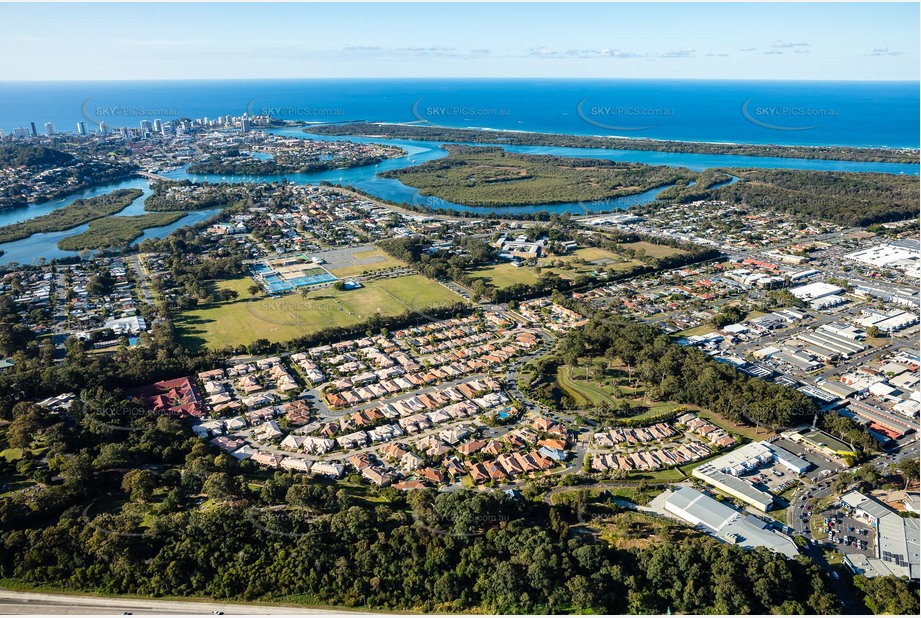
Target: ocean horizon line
464, 78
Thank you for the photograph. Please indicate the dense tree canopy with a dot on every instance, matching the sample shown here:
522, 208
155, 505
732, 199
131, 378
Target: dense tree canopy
686, 374
847, 198
889, 595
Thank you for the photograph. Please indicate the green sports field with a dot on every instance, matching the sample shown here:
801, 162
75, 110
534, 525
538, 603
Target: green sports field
245, 319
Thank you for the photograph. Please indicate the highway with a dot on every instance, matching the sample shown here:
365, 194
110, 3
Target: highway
17, 603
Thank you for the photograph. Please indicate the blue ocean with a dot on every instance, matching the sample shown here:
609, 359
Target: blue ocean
757, 112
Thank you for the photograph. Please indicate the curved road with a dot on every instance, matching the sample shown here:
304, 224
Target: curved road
42, 603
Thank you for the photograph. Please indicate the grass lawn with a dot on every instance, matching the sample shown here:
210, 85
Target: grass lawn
670, 475
588, 390
779, 515
11, 454
652, 250
746, 431
243, 320
596, 257
367, 261
833, 557
583, 393
505, 275
816, 525
634, 494
703, 329
14, 483
788, 493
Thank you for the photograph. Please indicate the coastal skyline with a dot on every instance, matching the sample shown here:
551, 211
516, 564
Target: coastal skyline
778, 41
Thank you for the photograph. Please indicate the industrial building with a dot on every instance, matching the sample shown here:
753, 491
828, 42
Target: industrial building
725, 523
904, 258
813, 291
788, 460
723, 472
897, 539
797, 359
888, 322
823, 442
827, 302
830, 344
892, 425
733, 486
839, 390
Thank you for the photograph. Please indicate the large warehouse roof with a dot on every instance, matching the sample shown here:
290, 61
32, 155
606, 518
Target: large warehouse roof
726, 523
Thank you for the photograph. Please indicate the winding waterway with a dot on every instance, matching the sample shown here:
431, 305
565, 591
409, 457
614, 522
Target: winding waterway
45, 244
366, 178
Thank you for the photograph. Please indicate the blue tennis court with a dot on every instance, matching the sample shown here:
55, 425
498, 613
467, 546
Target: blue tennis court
300, 282
275, 284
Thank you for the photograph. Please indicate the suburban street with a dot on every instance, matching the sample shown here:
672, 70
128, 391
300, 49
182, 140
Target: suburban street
142, 279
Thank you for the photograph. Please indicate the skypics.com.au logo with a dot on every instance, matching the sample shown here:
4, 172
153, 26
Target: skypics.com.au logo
433, 114
787, 117
458, 525
432, 202
612, 204
623, 117
119, 418
296, 111
117, 115
288, 520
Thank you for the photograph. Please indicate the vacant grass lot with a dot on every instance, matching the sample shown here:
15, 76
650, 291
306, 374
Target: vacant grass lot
596, 258
703, 329
652, 250
505, 275
746, 431
245, 319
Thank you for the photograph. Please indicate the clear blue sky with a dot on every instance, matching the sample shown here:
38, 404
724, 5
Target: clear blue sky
837, 41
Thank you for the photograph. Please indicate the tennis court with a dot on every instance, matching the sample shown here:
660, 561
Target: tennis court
289, 273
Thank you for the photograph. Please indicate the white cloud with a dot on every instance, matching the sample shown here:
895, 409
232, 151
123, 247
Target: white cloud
884, 51
780, 43
684, 52
600, 53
